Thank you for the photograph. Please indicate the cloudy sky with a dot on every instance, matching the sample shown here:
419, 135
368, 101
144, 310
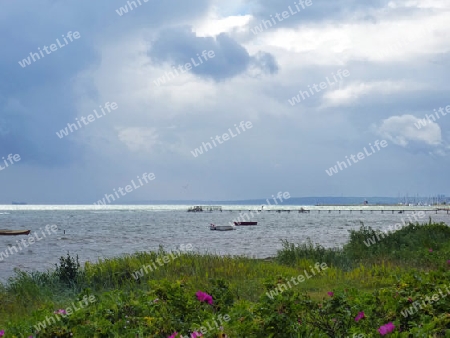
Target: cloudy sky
395, 55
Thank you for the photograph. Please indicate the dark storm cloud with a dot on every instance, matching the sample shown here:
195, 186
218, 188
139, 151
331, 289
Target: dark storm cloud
40, 91
37, 100
180, 45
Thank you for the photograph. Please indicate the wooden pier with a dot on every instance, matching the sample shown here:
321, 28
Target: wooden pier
334, 209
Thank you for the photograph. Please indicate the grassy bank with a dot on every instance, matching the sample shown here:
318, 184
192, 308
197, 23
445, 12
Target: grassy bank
376, 279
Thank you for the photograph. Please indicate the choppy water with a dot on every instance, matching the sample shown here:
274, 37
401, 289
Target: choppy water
95, 232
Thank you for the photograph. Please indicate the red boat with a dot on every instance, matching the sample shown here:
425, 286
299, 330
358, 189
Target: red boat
245, 223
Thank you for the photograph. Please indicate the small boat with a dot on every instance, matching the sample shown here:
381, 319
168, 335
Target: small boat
221, 227
14, 232
245, 223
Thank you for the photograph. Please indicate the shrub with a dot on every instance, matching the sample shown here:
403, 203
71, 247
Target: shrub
69, 270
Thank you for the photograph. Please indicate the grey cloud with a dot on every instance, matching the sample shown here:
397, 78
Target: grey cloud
266, 62
180, 45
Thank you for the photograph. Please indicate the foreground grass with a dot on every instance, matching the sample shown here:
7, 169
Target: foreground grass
381, 280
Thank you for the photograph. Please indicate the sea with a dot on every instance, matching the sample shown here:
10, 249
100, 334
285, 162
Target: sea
96, 232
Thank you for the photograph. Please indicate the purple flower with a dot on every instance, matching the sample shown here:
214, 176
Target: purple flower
430, 250
196, 334
2, 333
359, 316
330, 293
173, 335
387, 328
60, 312
448, 262
204, 297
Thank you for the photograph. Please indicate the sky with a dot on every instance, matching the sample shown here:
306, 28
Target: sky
223, 100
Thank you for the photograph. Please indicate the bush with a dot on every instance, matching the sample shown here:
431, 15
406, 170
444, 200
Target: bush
69, 270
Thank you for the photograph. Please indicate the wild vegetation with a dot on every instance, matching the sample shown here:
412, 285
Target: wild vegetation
384, 289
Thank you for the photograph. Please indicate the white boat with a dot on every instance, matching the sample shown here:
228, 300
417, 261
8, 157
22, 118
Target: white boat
221, 227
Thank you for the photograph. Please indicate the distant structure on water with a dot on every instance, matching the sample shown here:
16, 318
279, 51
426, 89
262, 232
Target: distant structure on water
201, 208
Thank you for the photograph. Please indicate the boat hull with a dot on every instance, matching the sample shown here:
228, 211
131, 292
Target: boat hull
222, 227
245, 223
14, 232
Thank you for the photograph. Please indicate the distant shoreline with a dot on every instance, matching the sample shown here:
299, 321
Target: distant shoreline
225, 208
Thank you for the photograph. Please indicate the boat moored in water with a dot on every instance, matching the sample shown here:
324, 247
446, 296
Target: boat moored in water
221, 227
245, 223
14, 232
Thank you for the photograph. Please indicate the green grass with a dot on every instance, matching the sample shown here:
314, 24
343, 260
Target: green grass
408, 247
399, 263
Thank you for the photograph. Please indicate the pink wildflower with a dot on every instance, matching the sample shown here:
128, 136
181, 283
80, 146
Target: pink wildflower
387, 328
430, 250
60, 312
2, 333
196, 334
173, 335
330, 293
359, 316
204, 297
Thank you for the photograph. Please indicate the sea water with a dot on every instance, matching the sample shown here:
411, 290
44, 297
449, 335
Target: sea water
94, 232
